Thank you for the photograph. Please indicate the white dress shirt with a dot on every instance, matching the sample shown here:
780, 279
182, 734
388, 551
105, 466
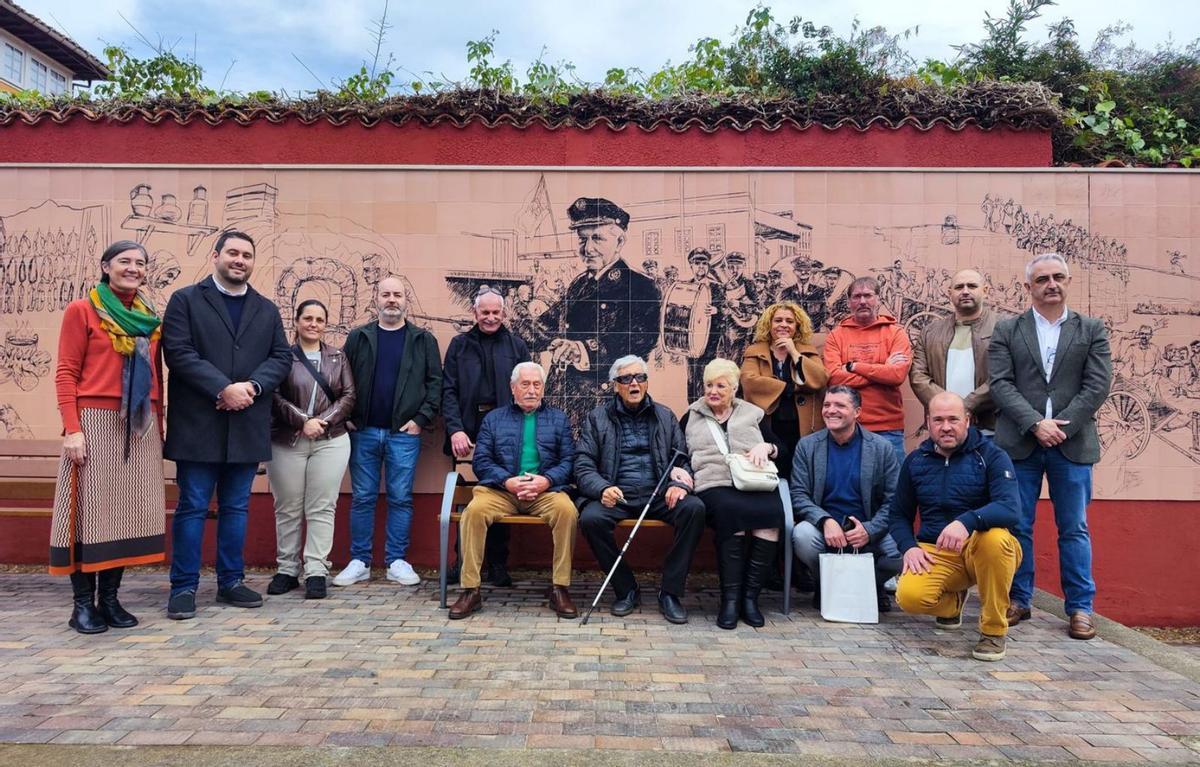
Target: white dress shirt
1048, 333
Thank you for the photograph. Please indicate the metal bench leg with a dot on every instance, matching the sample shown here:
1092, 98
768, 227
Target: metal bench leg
788, 522
444, 532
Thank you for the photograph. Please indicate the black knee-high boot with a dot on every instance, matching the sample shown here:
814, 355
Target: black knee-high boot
760, 562
110, 609
85, 618
731, 564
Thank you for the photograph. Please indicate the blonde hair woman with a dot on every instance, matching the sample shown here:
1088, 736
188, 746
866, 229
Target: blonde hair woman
744, 560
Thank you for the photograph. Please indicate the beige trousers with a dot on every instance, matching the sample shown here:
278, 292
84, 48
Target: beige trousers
305, 480
487, 505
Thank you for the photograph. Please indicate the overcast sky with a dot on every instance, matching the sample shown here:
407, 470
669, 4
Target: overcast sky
255, 45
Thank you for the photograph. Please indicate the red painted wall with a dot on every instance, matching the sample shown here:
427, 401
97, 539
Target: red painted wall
1145, 575
79, 141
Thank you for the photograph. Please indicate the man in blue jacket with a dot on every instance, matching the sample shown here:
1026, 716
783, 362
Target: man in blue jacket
965, 489
523, 459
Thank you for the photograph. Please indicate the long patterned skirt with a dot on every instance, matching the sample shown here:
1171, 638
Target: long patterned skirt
109, 512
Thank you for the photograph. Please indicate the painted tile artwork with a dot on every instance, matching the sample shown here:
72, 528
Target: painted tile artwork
674, 266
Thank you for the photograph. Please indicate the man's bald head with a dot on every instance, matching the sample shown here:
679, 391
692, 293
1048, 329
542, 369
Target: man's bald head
967, 291
948, 421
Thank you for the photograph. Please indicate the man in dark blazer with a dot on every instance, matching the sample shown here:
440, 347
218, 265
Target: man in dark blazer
475, 382
1050, 370
224, 344
397, 372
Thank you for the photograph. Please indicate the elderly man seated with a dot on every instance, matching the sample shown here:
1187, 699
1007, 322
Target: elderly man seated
624, 447
845, 474
523, 461
965, 489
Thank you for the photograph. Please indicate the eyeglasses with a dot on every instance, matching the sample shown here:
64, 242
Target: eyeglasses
486, 289
629, 378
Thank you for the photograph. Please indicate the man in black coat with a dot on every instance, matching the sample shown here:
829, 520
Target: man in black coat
624, 447
475, 381
224, 344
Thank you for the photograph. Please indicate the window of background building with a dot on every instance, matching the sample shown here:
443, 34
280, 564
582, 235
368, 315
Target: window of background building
14, 63
39, 76
58, 83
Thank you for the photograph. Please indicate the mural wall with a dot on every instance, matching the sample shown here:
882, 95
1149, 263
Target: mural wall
678, 269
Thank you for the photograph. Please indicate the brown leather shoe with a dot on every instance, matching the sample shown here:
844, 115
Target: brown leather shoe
560, 602
1017, 614
469, 601
1081, 626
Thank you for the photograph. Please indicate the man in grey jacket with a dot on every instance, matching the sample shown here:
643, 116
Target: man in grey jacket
1051, 369
843, 478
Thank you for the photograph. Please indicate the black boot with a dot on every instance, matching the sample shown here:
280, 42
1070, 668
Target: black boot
108, 606
760, 563
731, 563
85, 618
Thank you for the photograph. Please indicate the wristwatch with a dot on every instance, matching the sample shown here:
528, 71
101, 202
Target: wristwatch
850, 366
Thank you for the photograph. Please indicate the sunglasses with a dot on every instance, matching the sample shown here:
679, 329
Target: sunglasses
629, 378
485, 290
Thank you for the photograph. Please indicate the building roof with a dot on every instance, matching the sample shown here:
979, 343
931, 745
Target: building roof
1017, 106
23, 25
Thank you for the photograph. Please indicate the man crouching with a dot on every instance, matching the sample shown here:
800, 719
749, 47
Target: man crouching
966, 490
523, 460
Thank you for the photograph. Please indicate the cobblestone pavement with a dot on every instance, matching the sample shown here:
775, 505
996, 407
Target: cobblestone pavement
380, 664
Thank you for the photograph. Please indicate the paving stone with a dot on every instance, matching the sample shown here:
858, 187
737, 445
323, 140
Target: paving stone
381, 666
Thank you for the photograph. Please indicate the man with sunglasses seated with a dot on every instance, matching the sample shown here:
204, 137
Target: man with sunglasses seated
624, 446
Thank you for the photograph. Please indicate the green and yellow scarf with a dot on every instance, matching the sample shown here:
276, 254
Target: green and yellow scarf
131, 331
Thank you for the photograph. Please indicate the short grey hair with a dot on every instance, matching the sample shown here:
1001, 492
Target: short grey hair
516, 371
1043, 258
624, 362
487, 291
849, 391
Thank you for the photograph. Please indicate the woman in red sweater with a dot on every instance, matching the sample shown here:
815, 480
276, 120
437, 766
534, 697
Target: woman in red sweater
108, 505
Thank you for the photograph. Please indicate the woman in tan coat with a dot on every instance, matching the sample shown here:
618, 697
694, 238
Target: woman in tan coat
783, 374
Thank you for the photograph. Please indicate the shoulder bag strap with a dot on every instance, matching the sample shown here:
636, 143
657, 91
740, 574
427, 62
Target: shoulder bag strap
316, 374
718, 435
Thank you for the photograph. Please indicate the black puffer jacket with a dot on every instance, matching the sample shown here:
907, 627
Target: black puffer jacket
598, 450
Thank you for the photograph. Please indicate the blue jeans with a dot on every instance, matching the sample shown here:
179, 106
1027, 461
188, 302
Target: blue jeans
197, 480
395, 453
1070, 492
896, 438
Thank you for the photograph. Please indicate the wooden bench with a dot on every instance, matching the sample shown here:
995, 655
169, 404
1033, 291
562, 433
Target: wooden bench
456, 496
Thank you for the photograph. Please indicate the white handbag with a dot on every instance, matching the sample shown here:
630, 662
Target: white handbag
746, 476
848, 588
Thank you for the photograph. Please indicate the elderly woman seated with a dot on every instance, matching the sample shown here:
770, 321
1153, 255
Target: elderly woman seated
716, 424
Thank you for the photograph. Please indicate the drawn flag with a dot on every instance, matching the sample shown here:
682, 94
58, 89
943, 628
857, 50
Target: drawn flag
536, 214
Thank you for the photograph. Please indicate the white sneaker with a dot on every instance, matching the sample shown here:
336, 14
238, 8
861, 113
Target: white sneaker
891, 585
402, 572
356, 571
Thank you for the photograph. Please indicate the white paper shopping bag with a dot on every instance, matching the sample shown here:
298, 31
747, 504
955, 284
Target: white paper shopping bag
848, 588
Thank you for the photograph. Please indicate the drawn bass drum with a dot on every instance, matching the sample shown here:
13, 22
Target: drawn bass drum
686, 323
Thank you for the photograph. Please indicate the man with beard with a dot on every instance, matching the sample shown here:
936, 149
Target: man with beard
227, 352
624, 447
950, 354
398, 374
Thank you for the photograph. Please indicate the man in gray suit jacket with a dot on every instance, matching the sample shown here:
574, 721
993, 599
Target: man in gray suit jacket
1050, 371
843, 477
224, 344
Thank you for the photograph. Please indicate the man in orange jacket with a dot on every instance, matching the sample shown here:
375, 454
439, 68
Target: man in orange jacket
870, 352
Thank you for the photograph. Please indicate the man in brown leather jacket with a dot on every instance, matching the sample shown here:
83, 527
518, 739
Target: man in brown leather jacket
950, 354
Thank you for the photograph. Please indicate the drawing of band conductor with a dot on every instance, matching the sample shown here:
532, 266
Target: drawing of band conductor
607, 312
